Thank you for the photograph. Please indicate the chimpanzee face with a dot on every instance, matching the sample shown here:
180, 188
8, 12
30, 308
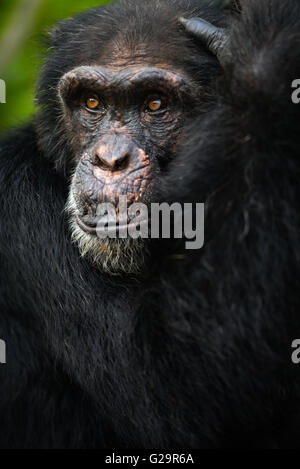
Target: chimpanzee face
124, 125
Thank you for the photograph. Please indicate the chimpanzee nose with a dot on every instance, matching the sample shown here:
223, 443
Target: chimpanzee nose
114, 152
113, 162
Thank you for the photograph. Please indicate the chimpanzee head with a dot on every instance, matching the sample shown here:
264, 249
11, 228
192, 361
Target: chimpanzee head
116, 93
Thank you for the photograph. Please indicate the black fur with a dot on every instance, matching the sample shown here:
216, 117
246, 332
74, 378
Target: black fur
197, 351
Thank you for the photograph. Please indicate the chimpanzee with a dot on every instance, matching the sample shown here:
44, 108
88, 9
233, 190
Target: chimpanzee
142, 343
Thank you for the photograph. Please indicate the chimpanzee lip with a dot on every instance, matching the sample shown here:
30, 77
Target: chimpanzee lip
91, 226
88, 228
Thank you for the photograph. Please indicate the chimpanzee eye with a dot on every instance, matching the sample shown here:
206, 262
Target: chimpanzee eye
154, 105
92, 103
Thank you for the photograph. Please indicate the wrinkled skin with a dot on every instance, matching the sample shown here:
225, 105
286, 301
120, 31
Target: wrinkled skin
120, 146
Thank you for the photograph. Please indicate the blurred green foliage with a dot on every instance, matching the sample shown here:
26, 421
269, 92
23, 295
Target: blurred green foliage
23, 55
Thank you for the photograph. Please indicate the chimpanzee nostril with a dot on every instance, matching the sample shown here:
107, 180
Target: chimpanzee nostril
123, 161
112, 162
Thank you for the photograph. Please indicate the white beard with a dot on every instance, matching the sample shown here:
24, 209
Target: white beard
111, 255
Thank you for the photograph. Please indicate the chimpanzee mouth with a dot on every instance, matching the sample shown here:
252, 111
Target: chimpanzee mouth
95, 226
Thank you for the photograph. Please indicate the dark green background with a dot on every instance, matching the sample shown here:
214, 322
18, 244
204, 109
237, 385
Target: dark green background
21, 68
